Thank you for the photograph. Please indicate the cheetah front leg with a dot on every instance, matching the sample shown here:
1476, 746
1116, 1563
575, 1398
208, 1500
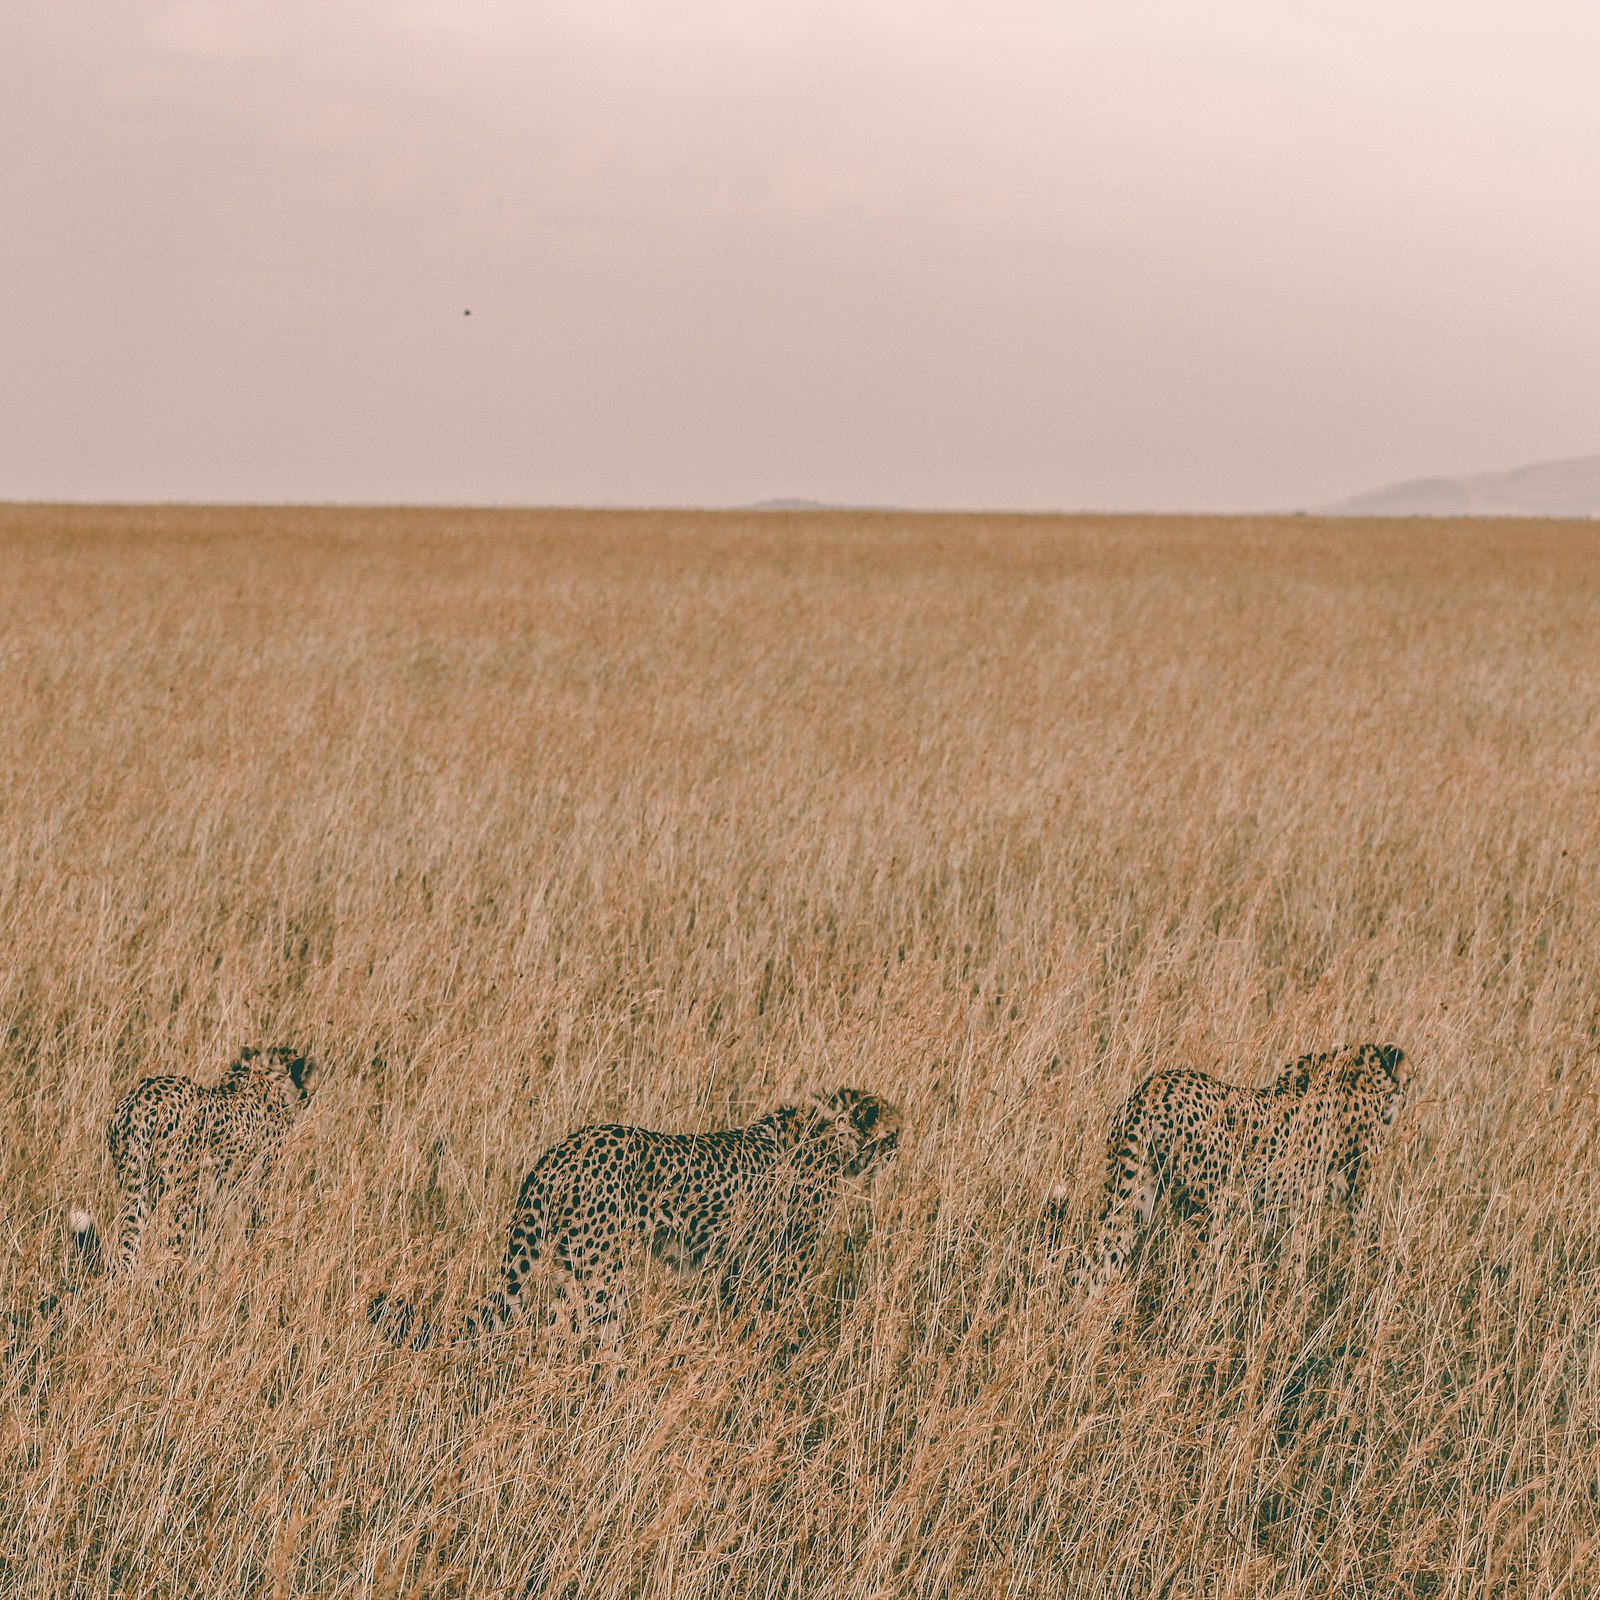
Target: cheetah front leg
1133, 1185
789, 1280
1203, 1238
769, 1275
1348, 1182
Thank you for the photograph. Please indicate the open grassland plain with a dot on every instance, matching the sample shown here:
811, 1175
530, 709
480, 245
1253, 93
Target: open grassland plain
521, 821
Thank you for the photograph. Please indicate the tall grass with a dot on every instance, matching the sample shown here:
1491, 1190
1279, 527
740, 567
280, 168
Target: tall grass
519, 821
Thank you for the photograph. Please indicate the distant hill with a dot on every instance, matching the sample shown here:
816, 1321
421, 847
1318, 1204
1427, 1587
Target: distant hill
813, 505
1546, 489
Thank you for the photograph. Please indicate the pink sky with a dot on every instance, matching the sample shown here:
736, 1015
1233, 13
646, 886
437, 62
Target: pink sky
1246, 254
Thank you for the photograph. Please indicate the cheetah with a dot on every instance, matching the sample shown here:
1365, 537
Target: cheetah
753, 1200
170, 1135
1206, 1142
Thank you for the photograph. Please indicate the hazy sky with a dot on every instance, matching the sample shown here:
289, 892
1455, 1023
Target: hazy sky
1030, 253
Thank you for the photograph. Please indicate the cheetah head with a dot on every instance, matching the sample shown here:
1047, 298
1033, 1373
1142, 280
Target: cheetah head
1397, 1070
866, 1128
279, 1062
1382, 1073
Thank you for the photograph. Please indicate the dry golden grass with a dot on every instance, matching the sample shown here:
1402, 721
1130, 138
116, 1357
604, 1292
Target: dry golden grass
665, 818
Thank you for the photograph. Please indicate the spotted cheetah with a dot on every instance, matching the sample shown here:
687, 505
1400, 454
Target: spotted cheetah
1206, 1143
170, 1135
751, 1199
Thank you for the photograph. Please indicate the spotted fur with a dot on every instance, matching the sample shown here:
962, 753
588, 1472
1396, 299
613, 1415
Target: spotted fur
753, 1200
1206, 1143
169, 1136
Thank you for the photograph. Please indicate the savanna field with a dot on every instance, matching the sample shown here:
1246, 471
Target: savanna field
518, 821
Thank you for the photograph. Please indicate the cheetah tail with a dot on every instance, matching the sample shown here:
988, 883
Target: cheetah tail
86, 1239
1056, 1219
396, 1320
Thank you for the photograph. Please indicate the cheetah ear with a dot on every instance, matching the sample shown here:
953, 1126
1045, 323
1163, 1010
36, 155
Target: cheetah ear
863, 1108
830, 1108
298, 1067
860, 1112
841, 1103
240, 1065
1391, 1058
